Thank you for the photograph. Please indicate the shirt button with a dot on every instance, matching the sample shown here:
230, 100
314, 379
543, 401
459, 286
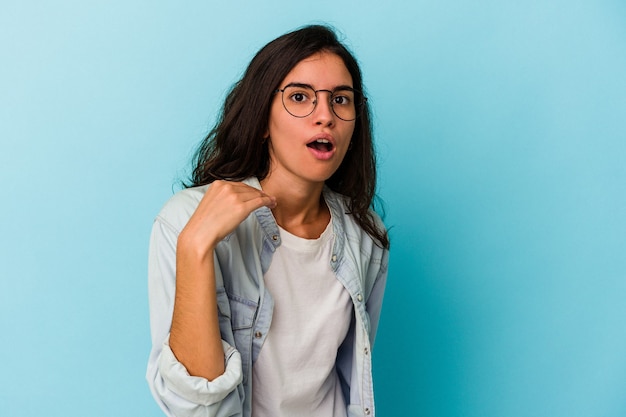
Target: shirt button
366, 351
367, 411
258, 335
334, 258
274, 238
359, 297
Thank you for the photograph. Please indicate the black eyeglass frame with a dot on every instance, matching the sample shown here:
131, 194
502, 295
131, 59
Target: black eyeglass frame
358, 104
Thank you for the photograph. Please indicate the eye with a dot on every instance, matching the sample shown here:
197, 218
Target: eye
342, 98
299, 96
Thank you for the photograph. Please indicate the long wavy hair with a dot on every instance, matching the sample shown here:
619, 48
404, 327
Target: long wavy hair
235, 149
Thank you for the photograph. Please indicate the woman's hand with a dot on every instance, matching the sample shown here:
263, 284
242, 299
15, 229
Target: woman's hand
223, 207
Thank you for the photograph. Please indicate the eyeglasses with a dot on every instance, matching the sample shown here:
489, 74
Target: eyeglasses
300, 100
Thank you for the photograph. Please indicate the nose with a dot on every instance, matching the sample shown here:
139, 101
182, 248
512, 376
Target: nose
324, 114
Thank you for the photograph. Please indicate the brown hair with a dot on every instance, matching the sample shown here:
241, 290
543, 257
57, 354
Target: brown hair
234, 149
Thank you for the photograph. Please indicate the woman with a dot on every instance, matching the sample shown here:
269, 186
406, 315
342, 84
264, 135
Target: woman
266, 275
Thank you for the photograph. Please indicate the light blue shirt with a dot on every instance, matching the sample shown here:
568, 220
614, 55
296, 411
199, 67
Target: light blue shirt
245, 308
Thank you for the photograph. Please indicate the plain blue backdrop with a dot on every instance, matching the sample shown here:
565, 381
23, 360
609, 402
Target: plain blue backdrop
501, 133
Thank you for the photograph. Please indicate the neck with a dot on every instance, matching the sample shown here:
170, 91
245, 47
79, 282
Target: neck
300, 208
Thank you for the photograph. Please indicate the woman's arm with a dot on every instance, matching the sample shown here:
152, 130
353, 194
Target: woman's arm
176, 390
195, 335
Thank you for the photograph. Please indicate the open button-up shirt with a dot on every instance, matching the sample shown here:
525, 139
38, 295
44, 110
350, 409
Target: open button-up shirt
245, 308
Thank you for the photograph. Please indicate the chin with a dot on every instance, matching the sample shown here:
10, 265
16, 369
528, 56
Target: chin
318, 177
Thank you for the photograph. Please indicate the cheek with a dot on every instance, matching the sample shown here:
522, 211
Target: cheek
350, 132
285, 128
277, 121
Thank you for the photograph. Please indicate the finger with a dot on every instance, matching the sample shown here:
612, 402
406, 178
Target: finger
237, 198
260, 201
240, 187
249, 193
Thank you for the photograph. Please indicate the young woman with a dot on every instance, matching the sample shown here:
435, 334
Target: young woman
266, 275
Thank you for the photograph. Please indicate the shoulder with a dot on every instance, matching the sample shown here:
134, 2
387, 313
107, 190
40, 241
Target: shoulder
338, 204
341, 201
178, 209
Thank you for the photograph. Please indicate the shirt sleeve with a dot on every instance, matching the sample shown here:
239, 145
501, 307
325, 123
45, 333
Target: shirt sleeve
178, 393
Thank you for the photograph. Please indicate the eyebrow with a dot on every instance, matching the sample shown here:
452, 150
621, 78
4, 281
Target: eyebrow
305, 85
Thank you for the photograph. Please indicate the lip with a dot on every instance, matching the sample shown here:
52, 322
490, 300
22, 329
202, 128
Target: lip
319, 154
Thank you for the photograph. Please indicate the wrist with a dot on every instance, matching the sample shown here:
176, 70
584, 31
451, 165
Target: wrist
190, 245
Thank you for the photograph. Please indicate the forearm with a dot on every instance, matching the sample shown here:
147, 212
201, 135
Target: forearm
195, 335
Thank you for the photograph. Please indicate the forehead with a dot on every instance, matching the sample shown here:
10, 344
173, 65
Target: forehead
322, 70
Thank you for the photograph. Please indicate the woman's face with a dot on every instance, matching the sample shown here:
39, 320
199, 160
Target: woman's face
311, 148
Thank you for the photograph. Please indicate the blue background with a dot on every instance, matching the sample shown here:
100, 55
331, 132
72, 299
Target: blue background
501, 133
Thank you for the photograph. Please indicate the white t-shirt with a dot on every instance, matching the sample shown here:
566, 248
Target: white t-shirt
294, 374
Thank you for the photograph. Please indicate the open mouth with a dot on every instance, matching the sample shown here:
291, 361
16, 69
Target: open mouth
321, 145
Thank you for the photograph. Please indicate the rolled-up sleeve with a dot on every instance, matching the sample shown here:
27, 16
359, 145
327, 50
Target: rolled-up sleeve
178, 393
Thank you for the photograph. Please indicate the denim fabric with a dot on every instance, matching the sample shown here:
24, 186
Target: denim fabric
245, 308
